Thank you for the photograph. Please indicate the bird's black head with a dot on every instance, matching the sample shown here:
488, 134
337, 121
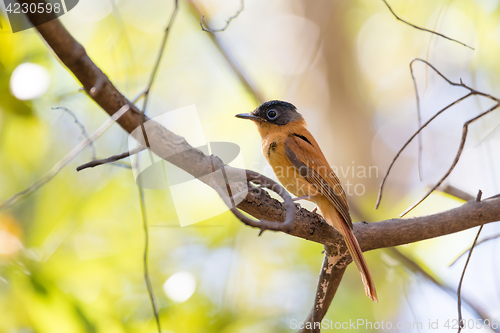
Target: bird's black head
275, 112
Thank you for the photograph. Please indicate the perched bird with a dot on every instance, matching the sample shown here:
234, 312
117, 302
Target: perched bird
302, 169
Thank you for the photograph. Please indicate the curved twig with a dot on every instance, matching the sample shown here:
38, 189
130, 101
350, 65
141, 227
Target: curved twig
465, 130
228, 21
381, 188
460, 84
424, 29
263, 224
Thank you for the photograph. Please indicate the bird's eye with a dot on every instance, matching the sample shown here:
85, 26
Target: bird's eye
272, 114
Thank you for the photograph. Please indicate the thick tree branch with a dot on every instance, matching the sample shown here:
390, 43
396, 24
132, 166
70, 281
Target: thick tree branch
332, 271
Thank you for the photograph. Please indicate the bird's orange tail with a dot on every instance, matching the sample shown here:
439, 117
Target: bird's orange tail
359, 260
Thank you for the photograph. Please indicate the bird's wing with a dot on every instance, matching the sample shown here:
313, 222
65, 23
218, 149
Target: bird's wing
313, 167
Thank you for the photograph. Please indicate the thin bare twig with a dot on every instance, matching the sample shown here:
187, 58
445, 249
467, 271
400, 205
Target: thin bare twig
115, 158
145, 257
65, 160
415, 267
228, 21
82, 128
419, 123
110, 159
424, 29
484, 240
160, 54
141, 190
464, 132
459, 291
233, 64
432, 37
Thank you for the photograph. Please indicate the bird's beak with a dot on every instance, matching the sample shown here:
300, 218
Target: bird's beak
247, 116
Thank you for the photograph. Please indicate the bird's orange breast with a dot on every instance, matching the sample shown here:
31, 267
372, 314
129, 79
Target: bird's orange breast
273, 148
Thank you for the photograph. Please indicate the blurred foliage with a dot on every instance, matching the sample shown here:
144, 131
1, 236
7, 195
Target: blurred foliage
71, 253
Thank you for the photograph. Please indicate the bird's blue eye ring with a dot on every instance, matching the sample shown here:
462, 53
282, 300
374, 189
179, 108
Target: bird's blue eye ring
272, 114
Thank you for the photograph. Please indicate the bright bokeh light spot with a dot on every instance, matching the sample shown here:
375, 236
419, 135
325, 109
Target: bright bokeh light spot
29, 81
10, 234
9, 244
180, 286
